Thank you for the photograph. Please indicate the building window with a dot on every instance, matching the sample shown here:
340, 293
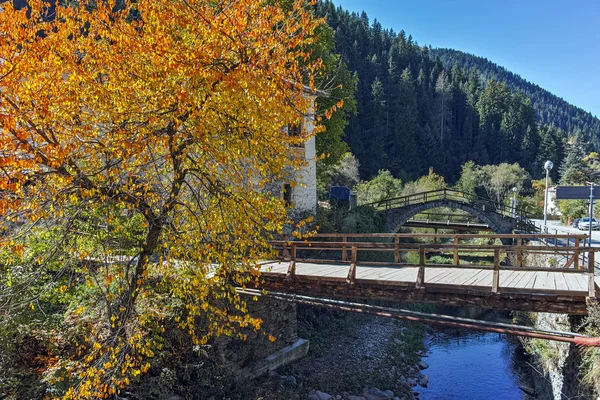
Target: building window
294, 130
287, 194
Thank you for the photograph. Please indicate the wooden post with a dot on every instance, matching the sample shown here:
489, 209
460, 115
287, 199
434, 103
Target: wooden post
292, 268
519, 252
352, 272
344, 255
576, 253
591, 275
396, 249
456, 260
286, 251
421, 272
496, 276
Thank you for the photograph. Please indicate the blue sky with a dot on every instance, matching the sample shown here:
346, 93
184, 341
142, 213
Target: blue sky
554, 43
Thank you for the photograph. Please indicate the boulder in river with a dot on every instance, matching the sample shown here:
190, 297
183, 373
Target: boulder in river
376, 394
318, 395
422, 365
423, 381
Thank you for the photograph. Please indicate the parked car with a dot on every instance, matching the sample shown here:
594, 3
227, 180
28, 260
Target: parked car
576, 222
584, 224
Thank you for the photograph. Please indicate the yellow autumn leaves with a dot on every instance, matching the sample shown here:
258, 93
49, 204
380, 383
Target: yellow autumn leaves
145, 139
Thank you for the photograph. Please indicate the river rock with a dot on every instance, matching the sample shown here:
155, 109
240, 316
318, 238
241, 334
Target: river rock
411, 382
397, 341
376, 394
423, 381
356, 398
321, 395
274, 375
389, 393
423, 365
289, 380
527, 390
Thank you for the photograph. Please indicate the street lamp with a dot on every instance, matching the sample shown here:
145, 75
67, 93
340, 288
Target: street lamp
514, 201
547, 166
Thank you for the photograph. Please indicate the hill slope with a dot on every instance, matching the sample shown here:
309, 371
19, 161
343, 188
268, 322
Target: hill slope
549, 108
414, 112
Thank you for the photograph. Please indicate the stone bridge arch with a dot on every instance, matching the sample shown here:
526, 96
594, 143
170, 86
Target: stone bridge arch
396, 217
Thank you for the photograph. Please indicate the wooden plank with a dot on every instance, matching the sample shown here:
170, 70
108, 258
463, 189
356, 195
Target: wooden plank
373, 273
574, 283
404, 275
475, 278
523, 279
462, 277
544, 282
312, 269
457, 275
444, 276
275, 267
561, 282
507, 276
519, 253
352, 270
421, 274
576, 253
513, 276
591, 274
434, 272
583, 281
484, 279
456, 259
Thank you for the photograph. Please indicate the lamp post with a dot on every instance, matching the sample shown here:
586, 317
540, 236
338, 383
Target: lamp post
547, 166
514, 201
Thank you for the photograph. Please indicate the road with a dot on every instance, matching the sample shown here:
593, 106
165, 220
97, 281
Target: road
558, 227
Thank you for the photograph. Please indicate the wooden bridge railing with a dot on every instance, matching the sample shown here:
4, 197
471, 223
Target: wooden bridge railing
503, 257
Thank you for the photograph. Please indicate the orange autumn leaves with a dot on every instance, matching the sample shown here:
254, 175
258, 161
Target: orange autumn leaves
139, 143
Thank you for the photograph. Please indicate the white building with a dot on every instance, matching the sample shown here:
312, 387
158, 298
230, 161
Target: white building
303, 195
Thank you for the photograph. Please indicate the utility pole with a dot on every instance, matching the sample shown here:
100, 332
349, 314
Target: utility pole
547, 166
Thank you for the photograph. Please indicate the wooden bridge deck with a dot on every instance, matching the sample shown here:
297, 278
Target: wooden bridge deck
564, 288
469, 278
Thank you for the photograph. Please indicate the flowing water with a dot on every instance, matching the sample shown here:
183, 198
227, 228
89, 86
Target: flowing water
469, 365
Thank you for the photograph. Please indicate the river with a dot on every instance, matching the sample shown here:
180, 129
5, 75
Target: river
471, 365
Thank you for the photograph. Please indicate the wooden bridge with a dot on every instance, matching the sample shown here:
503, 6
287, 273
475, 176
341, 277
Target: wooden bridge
526, 273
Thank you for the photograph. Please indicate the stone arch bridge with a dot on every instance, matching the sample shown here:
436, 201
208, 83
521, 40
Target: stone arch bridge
500, 218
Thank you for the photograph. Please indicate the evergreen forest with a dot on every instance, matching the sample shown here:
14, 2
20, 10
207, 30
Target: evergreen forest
419, 108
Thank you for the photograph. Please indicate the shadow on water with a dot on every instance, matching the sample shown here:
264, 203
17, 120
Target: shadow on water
472, 365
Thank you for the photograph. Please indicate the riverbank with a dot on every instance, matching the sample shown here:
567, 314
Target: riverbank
351, 357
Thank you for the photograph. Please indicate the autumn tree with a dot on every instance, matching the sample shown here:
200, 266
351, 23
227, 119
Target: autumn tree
135, 143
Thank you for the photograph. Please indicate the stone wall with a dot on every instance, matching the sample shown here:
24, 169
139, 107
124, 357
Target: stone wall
557, 371
247, 358
558, 363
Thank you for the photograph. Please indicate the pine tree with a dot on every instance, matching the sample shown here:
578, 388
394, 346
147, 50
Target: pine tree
573, 169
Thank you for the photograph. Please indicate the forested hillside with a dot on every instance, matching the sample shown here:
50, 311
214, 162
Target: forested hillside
550, 108
414, 113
